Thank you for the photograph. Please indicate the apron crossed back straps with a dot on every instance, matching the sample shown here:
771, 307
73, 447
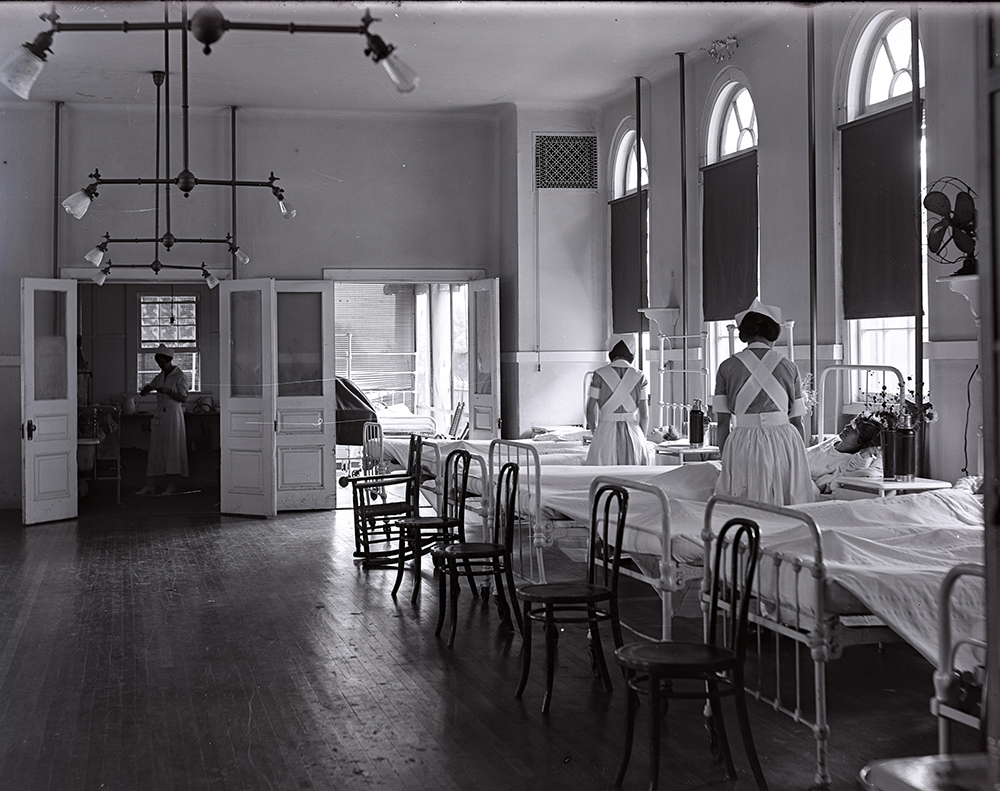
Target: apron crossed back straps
621, 391
761, 379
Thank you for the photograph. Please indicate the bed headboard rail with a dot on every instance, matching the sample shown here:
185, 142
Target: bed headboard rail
838, 367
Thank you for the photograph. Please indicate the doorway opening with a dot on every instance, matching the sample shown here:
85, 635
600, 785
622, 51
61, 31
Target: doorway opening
406, 346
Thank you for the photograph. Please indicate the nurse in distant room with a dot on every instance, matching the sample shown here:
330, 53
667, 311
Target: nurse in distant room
617, 411
167, 434
763, 455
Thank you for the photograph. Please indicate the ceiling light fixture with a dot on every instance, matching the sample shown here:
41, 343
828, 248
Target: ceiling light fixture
207, 25
721, 50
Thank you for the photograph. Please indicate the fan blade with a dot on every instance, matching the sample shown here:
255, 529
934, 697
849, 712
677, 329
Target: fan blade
938, 203
963, 241
936, 234
965, 209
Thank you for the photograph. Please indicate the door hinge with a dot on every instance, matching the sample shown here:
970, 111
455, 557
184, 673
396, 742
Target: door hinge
31, 430
276, 425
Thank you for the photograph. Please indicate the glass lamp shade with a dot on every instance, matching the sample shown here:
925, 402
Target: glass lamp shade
77, 204
403, 77
211, 280
286, 209
95, 256
20, 71
100, 277
242, 258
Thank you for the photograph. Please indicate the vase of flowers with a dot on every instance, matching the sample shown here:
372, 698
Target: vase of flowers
903, 422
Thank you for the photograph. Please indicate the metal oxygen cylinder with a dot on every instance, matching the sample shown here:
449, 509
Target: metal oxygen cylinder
696, 425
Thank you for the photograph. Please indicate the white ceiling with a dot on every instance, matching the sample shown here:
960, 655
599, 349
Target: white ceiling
470, 56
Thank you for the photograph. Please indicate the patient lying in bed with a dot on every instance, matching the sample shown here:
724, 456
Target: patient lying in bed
854, 453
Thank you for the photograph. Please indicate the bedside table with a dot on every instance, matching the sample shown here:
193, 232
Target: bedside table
857, 488
683, 452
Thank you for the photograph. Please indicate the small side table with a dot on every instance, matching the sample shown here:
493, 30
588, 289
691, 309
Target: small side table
879, 487
683, 452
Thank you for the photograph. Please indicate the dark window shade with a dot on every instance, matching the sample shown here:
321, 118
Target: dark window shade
729, 236
881, 263
628, 276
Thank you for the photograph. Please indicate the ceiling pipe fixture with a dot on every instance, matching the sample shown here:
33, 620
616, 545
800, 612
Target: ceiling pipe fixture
207, 25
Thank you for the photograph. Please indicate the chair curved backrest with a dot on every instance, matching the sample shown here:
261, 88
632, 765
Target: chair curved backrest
504, 505
735, 589
456, 484
413, 469
607, 525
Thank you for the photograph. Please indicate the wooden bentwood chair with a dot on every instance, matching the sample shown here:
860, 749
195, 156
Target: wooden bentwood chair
418, 535
376, 518
483, 559
590, 601
653, 667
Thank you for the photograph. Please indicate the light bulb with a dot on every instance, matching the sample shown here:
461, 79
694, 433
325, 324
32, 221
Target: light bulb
286, 209
77, 204
403, 77
242, 258
95, 256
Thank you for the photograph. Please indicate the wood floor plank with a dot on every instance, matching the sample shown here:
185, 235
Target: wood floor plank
196, 651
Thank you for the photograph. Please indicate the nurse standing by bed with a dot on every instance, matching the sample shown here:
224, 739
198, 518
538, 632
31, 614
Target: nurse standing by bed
617, 411
763, 456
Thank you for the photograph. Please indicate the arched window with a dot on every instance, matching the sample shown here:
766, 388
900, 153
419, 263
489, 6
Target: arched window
879, 79
732, 132
623, 176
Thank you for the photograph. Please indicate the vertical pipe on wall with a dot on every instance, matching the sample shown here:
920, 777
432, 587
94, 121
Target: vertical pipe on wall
638, 208
684, 221
232, 176
918, 117
56, 191
813, 272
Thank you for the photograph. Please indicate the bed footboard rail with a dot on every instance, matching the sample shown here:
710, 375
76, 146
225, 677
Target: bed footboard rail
791, 602
478, 502
531, 534
956, 694
671, 578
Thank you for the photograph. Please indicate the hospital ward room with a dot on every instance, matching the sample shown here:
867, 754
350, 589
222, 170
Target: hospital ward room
500, 395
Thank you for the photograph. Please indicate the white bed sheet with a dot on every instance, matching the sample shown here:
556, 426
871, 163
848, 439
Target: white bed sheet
891, 553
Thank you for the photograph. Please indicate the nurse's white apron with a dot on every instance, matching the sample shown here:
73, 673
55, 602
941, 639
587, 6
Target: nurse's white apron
618, 438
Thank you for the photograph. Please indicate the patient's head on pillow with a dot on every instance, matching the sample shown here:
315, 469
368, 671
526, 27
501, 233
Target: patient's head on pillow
757, 325
860, 433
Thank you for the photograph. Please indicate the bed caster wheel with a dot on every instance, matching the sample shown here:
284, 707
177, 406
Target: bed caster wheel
484, 593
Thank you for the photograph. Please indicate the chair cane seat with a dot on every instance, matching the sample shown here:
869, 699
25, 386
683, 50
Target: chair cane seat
477, 549
433, 522
563, 592
668, 659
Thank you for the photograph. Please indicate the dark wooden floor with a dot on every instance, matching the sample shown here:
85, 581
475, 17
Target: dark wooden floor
190, 650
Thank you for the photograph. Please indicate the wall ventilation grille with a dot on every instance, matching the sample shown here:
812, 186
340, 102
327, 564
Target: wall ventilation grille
566, 162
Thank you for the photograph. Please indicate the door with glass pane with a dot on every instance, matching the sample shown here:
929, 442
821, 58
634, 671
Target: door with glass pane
484, 362
48, 400
306, 396
247, 396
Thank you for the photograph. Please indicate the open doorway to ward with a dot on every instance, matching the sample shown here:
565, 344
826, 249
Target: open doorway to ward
406, 345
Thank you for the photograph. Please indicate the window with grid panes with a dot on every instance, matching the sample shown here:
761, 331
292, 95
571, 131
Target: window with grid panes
887, 68
173, 321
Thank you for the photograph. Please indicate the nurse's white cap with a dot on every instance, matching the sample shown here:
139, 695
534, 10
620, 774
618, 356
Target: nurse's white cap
757, 306
628, 339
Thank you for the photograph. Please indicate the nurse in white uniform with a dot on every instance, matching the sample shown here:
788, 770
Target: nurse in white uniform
617, 408
167, 434
758, 389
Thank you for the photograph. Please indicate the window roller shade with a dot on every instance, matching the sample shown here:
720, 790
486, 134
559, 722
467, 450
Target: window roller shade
729, 237
628, 275
881, 263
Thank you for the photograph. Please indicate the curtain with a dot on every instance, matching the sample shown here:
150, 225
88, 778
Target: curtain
729, 236
628, 275
881, 256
